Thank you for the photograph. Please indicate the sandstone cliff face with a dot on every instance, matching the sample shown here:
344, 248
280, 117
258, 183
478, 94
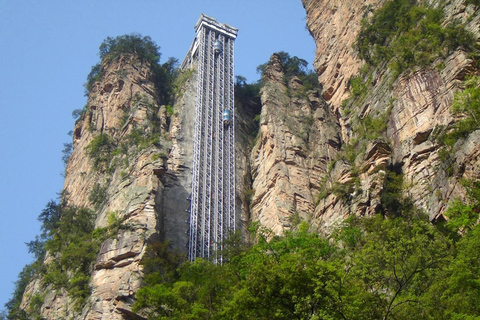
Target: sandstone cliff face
143, 180
122, 104
311, 177
296, 169
334, 26
418, 103
298, 136
133, 182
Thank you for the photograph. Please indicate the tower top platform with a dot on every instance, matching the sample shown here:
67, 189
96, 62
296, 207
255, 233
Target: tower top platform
212, 23
209, 23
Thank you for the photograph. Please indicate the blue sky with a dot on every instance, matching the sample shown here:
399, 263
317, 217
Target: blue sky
46, 51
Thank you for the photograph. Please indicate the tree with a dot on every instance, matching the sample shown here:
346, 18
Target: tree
134, 43
395, 263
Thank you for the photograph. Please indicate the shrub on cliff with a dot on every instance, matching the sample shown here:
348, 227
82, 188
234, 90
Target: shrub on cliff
372, 268
146, 50
143, 47
100, 151
294, 66
406, 34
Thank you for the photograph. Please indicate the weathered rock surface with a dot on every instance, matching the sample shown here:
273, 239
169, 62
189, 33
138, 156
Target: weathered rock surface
334, 26
298, 136
144, 184
297, 168
123, 101
290, 171
418, 103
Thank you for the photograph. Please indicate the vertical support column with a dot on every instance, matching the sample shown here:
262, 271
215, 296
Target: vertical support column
231, 148
196, 175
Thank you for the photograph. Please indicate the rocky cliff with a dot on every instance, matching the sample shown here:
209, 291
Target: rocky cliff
412, 105
298, 136
121, 179
316, 157
131, 165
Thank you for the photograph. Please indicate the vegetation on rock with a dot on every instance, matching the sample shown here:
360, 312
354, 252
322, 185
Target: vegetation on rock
143, 49
69, 237
406, 34
294, 67
371, 268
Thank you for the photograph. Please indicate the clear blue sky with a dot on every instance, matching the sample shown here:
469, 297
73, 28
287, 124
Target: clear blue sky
47, 49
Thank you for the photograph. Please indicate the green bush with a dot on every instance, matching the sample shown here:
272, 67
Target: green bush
144, 49
141, 140
466, 105
466, 108
134, 44
24, 278
181, 78
94, 76
100, 150
371, 268
66, 152
294, 66
98, 195
474, 2
406, 34
69, 236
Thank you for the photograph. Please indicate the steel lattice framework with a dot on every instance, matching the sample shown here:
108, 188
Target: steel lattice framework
212, 210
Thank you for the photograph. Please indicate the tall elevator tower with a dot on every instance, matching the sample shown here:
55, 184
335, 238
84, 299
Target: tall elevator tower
212, 210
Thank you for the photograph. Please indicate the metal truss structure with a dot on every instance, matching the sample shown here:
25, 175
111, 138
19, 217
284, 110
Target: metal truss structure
212, 209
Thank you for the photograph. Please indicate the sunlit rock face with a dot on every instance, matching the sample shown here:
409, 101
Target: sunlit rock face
145, 185
298, 136
293, 170
145, 182
334, 26
418, 103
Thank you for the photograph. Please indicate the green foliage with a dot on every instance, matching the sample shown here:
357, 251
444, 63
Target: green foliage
462, 289
295, 66
94, 76
77, 113
13, 305
35, 305
247, 97
145, 50
461, 216
134, 44
372, 268
249, 193
396, 261
246, 92
342, 190
181, 78
169, 110
100, 150
466, 105
392, 200
372, 128
466, 108
69, 236
66, 152
474, 2
142, 139
358, 86
75, 252
98, 195
407, 34
165, 79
